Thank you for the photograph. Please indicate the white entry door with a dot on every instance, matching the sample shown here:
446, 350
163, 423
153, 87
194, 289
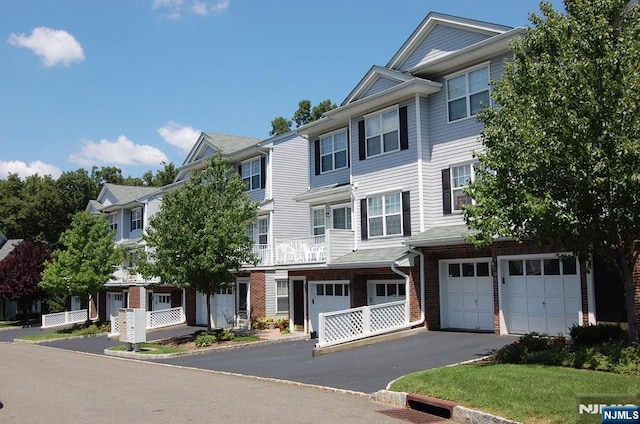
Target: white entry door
466, 289
542, 295
327, 296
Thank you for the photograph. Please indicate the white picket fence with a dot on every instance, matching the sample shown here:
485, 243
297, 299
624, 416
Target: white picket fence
155, 319
64, 318
357, 323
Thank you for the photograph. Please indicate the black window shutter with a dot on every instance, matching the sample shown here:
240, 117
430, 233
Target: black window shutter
316, 146
446, 191
361, 141
364, 232
240, 170
404, 129
263, 172
406, 213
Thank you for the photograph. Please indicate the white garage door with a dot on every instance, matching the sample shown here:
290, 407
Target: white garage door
386, 291
467, 290
222, 308
327, 297
543, 295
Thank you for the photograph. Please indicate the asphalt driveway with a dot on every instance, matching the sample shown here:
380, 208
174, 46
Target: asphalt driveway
364, 369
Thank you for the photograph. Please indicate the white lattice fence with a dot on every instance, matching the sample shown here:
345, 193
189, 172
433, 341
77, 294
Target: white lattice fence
64, 318
357, 323
155, 319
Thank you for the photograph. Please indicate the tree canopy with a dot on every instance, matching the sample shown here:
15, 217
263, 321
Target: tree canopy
199, 236
303, 115
20, 274
561, 164
87, 259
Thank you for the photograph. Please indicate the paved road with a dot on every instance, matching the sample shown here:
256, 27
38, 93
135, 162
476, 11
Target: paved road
44, 385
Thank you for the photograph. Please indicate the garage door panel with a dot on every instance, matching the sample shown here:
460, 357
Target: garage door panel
554, 305
518, 305
470, 303
519, 324
535, 286
485, 320
470, 320
456, 302
571, 286
556, 324
553, 286
454, 285
517, 286
485, 303
535, 305
456, 319
485, 286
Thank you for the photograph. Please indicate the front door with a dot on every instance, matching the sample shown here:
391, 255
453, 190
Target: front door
298, 305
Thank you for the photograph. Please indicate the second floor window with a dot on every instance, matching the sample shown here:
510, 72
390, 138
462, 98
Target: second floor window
318, 221
384, 214
113, 221
341, 217
461, 177
468, 93
333, 151
263, 230
382, 133
136, 219
251, 174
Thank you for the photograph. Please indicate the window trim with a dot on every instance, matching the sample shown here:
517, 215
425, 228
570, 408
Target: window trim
467, 95
322, 211
248, 164
138, 219
385, 215
379, 114
332, 134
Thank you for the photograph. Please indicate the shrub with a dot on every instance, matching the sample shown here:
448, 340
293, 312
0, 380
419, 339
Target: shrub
205, 339
597, 334
535, 342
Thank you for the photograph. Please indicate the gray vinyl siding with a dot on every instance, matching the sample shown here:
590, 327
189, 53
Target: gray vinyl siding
391, 172
380, 85
443, 39
270, 293
289, 179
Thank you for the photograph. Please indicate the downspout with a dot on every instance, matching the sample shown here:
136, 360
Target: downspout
422, 286
353, 186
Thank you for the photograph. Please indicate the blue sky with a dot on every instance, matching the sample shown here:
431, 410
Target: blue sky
131, 83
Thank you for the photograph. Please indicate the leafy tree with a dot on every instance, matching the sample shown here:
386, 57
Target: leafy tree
165, 176
303, 115
86, 260
198, 238
106, 174
563, 142
280, 125
20, 274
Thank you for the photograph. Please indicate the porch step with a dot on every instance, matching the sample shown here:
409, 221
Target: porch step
430, 405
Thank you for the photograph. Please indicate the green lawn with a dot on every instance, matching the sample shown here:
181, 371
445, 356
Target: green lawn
526, 393
76, 330
18, 323
152, 349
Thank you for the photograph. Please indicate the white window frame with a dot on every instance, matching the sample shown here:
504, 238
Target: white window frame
282, 294
249, 174
378, 116
113, 221
457, 187
263, 231
385, 214
333, 153
468, 93
318, 228
348, 218
136, 218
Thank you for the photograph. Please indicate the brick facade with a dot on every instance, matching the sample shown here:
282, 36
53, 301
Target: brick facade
257, 294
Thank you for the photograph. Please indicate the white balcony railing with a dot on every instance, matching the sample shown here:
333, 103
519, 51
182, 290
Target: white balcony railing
126, 276
357, 323
301, 250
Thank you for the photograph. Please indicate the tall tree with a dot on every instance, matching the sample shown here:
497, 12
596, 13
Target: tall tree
280, 125
20, 274
86, 260
198, 238
563, 141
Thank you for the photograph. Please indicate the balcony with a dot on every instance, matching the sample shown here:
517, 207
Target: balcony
305, 250
124, 276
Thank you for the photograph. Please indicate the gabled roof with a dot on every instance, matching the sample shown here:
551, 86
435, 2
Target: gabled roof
375, 74
8, 247
210, 143
430, 22
120, 196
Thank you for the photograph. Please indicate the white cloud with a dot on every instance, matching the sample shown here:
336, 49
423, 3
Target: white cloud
181, 136
120, 152
176, 9
53, 45
24, 170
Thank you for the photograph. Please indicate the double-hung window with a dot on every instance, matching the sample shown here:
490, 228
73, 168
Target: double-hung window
136, 219
263, 230
113, 221
468, 93
461, 177
251, 174
382, 132
384, 214
282, 296
333, 151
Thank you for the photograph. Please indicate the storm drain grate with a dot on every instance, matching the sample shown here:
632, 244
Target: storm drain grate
413, 416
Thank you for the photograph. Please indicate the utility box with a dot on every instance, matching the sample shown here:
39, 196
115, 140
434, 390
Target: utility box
132, 323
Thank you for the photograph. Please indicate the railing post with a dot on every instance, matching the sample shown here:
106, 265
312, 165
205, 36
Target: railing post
321, 330
366, 317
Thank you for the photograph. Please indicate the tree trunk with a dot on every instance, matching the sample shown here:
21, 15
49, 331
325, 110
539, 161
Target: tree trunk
209, 328
630, 298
